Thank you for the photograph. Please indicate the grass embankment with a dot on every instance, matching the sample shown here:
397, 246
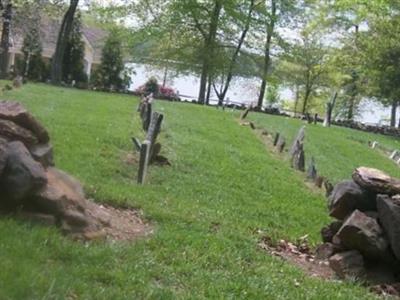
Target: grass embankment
208, 209
337, 150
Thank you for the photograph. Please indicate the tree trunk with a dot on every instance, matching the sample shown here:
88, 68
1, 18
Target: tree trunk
222, 95
208, 50
393, 114
270, 31
329, 109
350, 112
63, 35
306, 98
296, 101
27, 64
5, 40
208, 90
165, 76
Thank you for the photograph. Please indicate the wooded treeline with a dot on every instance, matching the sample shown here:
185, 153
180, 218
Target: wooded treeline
315, 48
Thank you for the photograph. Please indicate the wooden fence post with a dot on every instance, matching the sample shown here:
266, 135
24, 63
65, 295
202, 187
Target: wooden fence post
144, 161
299, 139
276, 139
152, 133
246, 112
281, 144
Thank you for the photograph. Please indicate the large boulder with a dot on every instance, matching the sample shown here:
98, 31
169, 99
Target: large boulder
376, 181
62, 194
43, 153
389, 216
3, 155
63, 197
363, 233
22, 175
349, 264
13, 132
329, 231
348, 196
326, 250
15, 112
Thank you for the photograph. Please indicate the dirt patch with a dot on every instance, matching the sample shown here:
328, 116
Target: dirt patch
119, 224
129, 158
298, 254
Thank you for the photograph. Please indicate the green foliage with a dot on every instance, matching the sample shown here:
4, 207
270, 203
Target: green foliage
112, 74
382, 58
272, 95
32, 66
73, 62
151, 86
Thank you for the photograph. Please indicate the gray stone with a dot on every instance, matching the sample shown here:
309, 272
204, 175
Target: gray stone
15, 112
376, 181
329, 231
3, 155
61, 194
22, 175
349, 264
348, 196
362, 233
389, 216
327, 250
13, 132
43, 153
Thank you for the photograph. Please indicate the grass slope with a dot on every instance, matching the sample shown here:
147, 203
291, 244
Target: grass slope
337, 150
222, 189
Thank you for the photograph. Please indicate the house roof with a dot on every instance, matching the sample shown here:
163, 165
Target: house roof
49, 28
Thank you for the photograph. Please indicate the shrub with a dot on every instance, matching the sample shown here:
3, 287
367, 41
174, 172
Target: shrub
151, 86
161, 92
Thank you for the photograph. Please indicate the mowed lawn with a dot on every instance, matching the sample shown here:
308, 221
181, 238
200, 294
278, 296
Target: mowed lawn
337, 150
223, 192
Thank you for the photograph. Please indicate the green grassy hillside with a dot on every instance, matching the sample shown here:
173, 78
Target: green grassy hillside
337, 150
209, 209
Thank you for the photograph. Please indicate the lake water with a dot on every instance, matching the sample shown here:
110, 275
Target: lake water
243, 90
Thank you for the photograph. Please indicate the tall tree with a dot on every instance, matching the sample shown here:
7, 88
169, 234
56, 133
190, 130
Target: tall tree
209, 36
232, 61
7, 8
111, 73
272, 15
62, 40
306, 65
73, 62
382, 60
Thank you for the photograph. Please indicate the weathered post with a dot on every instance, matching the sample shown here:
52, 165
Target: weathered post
144, 161
281, 144
246, 112
277, 135
312, 170
298, 157
154, 130
299, 139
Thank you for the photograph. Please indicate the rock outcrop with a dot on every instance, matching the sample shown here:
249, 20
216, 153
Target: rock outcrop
30, 185
367, 233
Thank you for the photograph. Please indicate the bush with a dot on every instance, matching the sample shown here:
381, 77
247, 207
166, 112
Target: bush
160, 92
151, 86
